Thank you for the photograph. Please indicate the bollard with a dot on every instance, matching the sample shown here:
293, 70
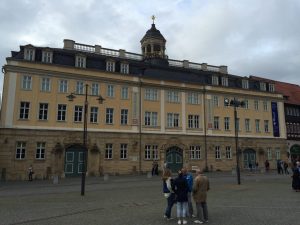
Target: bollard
105, 177
55, 179
149, 175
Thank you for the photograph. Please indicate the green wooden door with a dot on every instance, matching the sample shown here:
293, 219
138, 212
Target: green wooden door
249, 158
74, 161
174, 159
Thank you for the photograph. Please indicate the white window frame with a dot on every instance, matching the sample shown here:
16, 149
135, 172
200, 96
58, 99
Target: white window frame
195, 152
110, 66
193, 121
47, 56
224, 81
173, 96
216, 123
123, 151
214, 80
172, 119
124, 117
215, 101
79, 87
256, 105
61, 112
265, 105
124, 68
269, 153
124, 93
78, 113
63, 86
80, 61
24, 110
266, 126
20, 150
26, 82
94, 110
151, 94
45, 84
147, 155
217, 152
150, 119
247, 125
245, 84
228, 152
257, 125
29, 54
108, 151
110, 92
43, 111
95, 89
193, 98
271, 87
40, 150
263, 86
227, 123
109, 116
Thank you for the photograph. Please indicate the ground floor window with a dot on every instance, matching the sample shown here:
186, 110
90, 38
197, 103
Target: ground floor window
195, 152
108, 151
20, 150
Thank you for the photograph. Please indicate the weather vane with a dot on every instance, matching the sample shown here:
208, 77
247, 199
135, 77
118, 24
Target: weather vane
153, 18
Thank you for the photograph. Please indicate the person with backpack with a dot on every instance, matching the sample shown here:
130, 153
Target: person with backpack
189, 178
168, 192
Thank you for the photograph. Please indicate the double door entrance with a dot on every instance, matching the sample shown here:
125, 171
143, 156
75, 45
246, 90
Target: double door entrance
74, 161
174, 159
249, 158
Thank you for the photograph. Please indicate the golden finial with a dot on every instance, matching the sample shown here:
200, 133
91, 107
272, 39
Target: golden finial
153, 18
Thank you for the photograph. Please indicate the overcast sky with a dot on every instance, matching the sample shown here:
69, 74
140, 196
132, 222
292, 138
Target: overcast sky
251, 37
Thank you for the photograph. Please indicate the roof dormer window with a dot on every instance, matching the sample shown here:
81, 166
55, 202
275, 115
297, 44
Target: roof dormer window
47, 57
29, 54
80, 61
110, 66
224, 81
263, 86
271, 88
215, 80
245, 84
124, 68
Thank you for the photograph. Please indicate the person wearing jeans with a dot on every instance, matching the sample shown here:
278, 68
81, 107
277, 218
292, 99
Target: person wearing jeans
181, 190
168, 192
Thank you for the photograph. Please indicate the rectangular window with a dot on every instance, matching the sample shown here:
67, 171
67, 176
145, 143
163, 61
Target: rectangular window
173, 119
124, 68
245, 84
108, 151
256, 105
216, 123
271, 87
226, 123
95, 89
45, 84
151, 119
123, 151
155, 152
266, 125
24, 110
215, 101
80, 87
80, 61
43, 111
20, 150
215, 80
193, 98
47, 57
124, 116
269, 153
61, 112
40, 150
195, 152
277, 153
109, 116
94, 115
78, 113
63, 86
124, 93
151, 94
246, 104
262, 86
247, 125
228, 152
29, 54
257, 129
110, 91
265, 104
147, 152
26, 82
110, 66
193, 121
173, 96
217, 152
224, 81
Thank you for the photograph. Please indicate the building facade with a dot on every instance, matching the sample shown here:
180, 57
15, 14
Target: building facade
155, 109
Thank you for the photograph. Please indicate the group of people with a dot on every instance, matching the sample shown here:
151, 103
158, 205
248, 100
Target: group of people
282, 167
181, 190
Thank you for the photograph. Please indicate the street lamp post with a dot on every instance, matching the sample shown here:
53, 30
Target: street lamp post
85, 150
235, 103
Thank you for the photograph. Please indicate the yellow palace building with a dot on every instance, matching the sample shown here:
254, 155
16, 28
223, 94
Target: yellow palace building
128, 110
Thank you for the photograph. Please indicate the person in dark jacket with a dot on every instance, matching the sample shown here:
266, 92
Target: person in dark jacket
181, 190
168, 192
296, 177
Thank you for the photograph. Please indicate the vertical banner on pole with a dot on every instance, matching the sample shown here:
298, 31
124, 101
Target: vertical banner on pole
275, 119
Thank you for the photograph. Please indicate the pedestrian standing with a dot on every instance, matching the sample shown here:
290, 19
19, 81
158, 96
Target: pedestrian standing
286, 168
189, 178
30, 173
181, 190
267, 165
296, 177
168, 192
200, 188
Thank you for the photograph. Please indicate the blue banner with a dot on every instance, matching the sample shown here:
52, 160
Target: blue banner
275, 119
